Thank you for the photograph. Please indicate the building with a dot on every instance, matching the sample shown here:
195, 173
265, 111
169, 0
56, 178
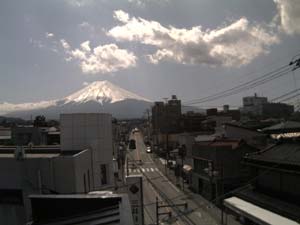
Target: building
259, 106
39, 171
192, 122
277, 110
274, 193
250, 136
23, 135
253, 104
92, 208
91, 131
5, 136
286, 129
166, 116
83, 163
218, 166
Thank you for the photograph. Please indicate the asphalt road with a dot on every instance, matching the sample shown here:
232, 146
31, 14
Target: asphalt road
157, 185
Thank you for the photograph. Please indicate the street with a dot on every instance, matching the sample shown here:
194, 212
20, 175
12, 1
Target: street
157, 185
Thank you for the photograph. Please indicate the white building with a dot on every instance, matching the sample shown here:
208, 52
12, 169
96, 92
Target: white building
39, 171
92, 131
83, 163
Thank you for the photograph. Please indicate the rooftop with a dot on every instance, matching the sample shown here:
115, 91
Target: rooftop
283, 153
92, 208
287, 126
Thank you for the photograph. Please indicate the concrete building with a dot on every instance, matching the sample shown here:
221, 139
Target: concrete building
259, 106
39, 171
91, 131
166, 116
83, 163
192, 122
252, 104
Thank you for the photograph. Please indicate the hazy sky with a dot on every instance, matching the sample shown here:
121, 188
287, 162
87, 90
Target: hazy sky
155, 48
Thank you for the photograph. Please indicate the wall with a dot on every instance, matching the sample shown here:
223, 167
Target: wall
94, 131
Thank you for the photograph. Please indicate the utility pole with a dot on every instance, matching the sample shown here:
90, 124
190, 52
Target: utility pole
158, 206
127, 169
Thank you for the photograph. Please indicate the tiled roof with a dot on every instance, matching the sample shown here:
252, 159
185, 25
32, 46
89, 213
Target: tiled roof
288, 125
284, 153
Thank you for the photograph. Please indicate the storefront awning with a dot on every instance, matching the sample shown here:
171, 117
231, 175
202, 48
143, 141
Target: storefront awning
255, 213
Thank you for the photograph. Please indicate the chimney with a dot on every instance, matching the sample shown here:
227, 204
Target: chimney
174, 97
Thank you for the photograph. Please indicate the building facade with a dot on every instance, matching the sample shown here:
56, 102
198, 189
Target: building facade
92, 131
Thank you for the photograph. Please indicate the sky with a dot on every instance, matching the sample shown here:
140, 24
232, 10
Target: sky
154, 48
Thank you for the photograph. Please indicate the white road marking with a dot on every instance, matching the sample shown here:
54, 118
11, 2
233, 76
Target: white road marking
152, 170
143, 169
147, 169
156, 169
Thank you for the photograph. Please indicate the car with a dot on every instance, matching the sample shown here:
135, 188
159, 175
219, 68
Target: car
148, 150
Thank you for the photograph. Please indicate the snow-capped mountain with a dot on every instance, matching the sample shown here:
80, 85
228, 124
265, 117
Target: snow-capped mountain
99, 96
102, 92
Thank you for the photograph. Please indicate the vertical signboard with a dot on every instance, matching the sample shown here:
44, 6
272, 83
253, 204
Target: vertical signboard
135, 192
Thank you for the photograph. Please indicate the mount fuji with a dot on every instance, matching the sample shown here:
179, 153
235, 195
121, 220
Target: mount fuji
99, 96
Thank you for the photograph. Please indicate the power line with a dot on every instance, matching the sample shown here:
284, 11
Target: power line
284, 95
242, 87
279, 72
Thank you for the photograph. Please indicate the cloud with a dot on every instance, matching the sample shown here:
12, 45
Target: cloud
85, 26
49, 35
101, 59
79, 3
233, 45
289, 14
142, 3
65, 44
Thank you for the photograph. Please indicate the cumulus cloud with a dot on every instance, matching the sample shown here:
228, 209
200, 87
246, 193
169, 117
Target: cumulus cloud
101, 59
289, 14
233, 45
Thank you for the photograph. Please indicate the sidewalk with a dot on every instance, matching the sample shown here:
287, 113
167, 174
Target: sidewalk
201, 202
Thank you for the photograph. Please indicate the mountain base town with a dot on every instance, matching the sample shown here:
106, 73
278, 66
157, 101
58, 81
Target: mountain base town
217, 166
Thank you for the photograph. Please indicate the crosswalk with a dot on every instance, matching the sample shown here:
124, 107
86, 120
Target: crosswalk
143, 170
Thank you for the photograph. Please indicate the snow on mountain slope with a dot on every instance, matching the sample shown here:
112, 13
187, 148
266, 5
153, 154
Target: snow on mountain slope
102, 91
98, 91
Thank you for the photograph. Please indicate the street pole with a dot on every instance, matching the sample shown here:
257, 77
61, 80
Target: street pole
222, 185
182, 173
156, 204
127, 169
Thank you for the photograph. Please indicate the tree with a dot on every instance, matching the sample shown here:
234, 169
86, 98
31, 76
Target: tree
40, 121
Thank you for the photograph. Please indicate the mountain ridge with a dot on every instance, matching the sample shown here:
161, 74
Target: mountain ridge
99, 96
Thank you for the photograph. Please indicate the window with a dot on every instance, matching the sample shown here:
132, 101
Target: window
103, 174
